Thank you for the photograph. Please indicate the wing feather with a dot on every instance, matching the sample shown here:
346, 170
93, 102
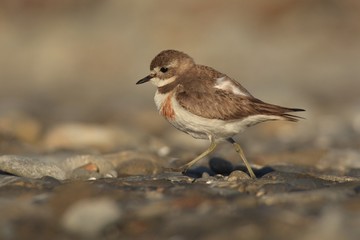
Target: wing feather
210, 94
226, 105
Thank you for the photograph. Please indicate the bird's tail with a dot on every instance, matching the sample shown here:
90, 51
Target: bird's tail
278, 111
291, 117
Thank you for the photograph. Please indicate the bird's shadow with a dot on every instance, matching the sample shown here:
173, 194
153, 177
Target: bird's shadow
218, 165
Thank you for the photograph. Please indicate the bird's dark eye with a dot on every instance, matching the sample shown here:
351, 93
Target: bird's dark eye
164, 69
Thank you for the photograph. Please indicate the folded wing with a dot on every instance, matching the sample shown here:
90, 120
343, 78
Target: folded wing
228, 100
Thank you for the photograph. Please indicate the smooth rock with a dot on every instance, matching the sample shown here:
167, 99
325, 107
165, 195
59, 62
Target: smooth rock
32, 167
89, 217
80, 136
138, 167
59, 166
220, 166
136, 163
237, 175
88, 136
66, 166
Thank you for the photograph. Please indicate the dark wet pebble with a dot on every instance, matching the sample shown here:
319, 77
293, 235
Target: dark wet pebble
220, 166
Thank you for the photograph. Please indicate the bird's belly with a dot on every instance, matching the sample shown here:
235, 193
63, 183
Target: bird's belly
196, 126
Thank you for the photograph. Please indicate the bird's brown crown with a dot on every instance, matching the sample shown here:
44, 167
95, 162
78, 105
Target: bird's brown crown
173, 60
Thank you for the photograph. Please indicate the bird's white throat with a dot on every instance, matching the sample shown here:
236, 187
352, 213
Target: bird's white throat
162, 82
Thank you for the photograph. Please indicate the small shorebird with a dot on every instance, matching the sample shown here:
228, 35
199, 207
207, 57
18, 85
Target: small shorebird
207, 104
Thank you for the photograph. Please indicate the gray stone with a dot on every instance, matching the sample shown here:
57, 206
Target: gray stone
32, 167
66, 166
89, 217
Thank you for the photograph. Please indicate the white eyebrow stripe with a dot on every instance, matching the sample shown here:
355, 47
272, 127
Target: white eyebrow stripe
226, 84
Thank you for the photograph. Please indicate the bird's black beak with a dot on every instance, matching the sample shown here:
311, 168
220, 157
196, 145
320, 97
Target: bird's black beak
145, 79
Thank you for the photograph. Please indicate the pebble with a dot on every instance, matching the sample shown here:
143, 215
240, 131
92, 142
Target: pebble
89, 217
136, 163
81, 136
111, 174
32, 167
64, 166
138, 167
220, 166
237, 175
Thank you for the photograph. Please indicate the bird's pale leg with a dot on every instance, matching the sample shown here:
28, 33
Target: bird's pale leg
239, 150
188, 165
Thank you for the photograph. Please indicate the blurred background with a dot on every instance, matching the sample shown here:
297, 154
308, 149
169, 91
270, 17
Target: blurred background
78, 61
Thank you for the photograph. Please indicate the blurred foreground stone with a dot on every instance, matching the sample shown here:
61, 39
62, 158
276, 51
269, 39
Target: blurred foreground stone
89, 217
